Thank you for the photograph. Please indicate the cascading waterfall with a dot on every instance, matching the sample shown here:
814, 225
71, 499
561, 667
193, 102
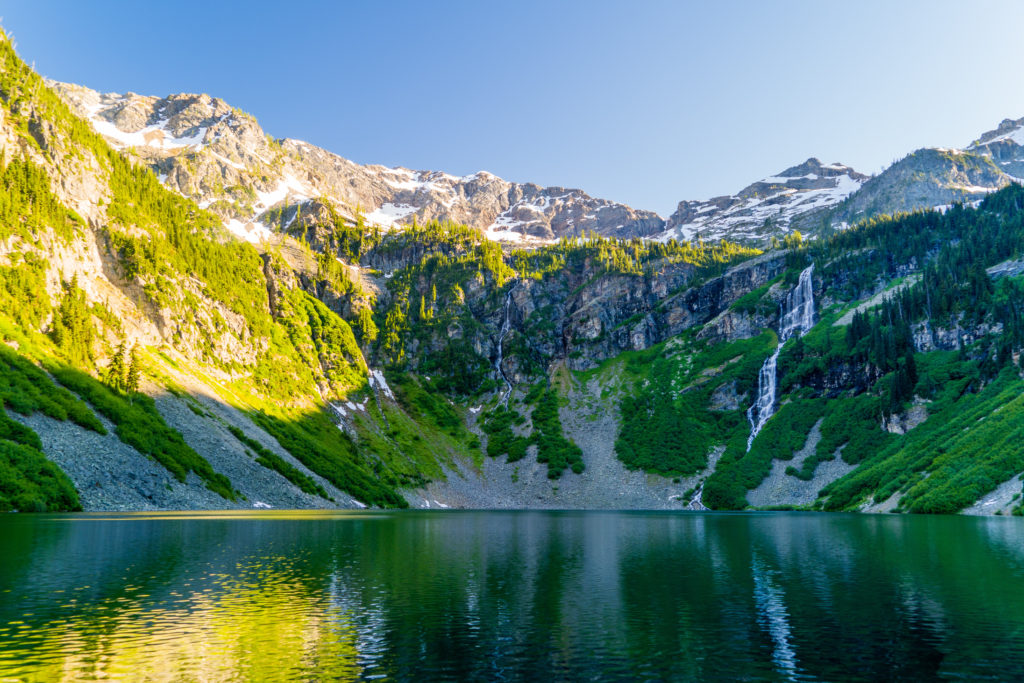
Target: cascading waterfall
506, 326
797, 318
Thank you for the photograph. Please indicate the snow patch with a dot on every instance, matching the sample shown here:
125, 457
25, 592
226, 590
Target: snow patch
154, 135
377, 379
287, 188
389, 214
747, 216
250, 231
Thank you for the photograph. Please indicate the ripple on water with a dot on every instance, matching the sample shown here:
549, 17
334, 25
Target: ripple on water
503, 596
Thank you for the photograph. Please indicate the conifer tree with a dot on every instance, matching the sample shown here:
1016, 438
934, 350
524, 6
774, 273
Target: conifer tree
366, 327
116, 369
391, 344
72, 326
132, 379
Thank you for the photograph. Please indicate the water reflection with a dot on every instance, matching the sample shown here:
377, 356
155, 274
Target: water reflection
486, 596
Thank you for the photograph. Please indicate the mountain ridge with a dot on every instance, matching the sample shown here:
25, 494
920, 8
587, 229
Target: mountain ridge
220, 157
241, 173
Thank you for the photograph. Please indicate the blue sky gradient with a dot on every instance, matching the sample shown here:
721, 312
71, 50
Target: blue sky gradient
643, 102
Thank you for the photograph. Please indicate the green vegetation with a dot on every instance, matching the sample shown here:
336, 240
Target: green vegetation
739, 470
23, 293
31, 483
27, 389
501, 440
287, 353
668, 425
318, 444
428, 406
337, 236
28, 207
186, 263
72, 329
458, 369
28, 481
552, 447
971, 443
140, 425
273, 461
851, 424
754, 301
625, 257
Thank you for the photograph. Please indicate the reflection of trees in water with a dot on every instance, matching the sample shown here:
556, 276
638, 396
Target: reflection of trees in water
518, 595
173, 601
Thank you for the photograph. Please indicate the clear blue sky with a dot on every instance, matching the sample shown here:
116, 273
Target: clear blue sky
642, 102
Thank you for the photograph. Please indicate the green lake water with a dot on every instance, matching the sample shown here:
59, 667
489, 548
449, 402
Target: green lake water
510, 596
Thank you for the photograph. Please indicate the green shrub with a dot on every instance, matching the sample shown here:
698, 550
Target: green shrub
501, 440
317, 443
740, 470
31, 483
26, 389
273, 461
141, 426
552, 447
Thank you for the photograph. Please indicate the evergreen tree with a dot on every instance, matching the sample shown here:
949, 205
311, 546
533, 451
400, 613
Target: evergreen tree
391, 344
132, 379
116, 370
365, 327
72, 325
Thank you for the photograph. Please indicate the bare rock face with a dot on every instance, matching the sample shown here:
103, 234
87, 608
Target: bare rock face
578, 319
219, 156
927, 337
725, 398
797, 198
907, 420
924, 179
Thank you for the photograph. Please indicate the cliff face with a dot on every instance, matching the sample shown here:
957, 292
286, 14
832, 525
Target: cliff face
579, 318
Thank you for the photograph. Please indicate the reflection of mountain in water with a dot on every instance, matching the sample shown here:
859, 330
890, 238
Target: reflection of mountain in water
511, 595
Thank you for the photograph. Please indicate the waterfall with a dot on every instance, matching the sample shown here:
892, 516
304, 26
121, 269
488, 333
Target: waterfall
506, 326
797, 318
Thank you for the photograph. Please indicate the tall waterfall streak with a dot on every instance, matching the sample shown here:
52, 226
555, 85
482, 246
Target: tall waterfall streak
797, 318
506, 326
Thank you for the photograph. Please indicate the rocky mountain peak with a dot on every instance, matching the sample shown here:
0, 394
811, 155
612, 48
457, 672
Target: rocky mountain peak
798, 196
205, 149
1009, 131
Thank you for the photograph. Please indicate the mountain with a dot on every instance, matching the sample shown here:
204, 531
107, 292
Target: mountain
220, 157
799, 197
152, 359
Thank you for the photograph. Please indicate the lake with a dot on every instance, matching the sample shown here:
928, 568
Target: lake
510, 596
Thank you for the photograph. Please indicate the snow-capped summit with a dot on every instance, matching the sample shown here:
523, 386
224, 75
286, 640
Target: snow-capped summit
792, 199
1005, 146
219, 156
